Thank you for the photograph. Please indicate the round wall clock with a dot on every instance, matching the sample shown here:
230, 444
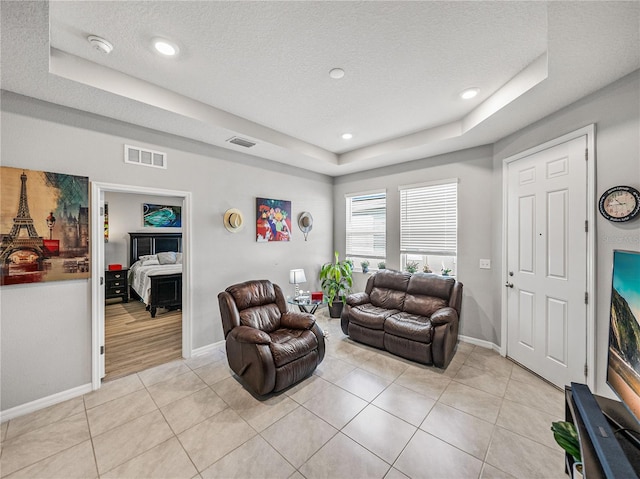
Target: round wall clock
620, 204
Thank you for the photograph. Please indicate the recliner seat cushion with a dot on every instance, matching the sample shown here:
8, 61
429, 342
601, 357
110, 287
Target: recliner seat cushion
409, 326
290, 344
370, 316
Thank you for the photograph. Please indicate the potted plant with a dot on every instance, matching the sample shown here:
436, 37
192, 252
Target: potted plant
365, 266
445, 271
566, 436
412, 266
426, 269
336, 281
382, 265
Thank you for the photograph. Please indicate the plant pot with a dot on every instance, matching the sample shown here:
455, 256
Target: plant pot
335, 310
577, 471
365, 270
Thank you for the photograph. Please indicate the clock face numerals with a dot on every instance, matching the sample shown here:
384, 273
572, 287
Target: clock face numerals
620, 203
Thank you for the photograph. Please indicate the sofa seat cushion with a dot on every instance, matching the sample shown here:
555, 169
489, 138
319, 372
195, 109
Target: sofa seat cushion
369, 316
290, 344
409, 326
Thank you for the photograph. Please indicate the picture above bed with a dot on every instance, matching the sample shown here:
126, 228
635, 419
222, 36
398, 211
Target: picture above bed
155, 271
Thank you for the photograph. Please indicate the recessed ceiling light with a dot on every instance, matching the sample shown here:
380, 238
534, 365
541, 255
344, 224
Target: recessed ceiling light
469, 93
100, 44
165, 47
347, 136
336, 73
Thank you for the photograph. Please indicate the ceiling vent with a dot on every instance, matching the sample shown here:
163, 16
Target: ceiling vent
144, 157
236, 140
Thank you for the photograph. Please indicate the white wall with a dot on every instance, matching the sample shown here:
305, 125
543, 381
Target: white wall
41, 136
474, 170
616, 112
125, 216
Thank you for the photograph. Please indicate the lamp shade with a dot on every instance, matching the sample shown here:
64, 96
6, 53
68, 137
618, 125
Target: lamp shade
296, 276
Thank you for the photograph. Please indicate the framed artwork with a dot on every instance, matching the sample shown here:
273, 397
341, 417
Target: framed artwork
161, 216
106, 222
44, 226
273, 220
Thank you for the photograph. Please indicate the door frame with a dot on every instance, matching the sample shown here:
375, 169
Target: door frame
97, 267
589, 131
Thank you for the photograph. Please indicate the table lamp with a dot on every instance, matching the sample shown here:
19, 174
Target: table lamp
296, 276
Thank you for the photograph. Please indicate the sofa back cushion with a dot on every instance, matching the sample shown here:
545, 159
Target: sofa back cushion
426, 293
387, 289
257, 304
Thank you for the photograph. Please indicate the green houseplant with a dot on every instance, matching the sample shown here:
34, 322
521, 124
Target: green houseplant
412, 266
566, 436
365, 265
336, 280
382, 265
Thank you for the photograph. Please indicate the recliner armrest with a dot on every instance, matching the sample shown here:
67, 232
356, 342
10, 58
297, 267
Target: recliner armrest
444, 315
356, 299
245, 334
296, 320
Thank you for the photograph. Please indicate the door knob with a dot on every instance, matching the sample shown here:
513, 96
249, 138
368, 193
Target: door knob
508, 285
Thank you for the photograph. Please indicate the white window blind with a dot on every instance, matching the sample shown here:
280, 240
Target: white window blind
366, 225
429, 219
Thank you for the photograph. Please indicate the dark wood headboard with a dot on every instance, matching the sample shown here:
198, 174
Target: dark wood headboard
152, 243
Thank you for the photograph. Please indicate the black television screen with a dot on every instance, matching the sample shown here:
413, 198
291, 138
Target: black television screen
623, 369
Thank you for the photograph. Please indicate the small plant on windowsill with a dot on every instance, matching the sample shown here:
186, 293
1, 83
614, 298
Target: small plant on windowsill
412, 266
382, 265
445, 271
365, 266
426, 269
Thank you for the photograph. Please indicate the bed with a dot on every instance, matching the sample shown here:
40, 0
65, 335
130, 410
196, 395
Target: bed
155, 270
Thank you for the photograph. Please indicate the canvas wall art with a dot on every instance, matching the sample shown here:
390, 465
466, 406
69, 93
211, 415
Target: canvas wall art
161, 216
44, 226
273, 220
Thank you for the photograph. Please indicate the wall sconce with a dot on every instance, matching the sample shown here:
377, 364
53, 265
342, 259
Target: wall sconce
296, 276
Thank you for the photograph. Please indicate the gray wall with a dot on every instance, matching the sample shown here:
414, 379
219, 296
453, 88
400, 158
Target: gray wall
615, 110
46, 328
474, 170
125, 215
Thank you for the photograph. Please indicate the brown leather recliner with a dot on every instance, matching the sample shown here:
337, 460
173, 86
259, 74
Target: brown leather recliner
412, 315
269, 347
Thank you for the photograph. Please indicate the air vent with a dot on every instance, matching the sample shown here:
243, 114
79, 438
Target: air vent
144, 157
236, 140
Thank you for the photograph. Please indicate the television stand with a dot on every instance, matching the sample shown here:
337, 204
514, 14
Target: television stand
596, 459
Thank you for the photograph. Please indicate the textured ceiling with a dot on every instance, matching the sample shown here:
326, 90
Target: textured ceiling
260, 70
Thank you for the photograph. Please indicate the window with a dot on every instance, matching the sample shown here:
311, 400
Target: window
428, 226
366, 227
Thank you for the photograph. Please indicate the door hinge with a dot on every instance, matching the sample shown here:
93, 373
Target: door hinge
586, 226
101, 211
586, 298
586, 154
101, 280
586, 370
101, 349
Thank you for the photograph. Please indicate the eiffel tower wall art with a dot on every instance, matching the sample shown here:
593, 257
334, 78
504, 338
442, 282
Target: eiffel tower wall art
44, 226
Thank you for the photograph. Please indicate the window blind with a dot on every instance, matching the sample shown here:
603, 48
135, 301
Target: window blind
366, 225
429, 219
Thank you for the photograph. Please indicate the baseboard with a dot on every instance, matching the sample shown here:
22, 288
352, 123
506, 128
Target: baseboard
44, 402
208, 348
482, 343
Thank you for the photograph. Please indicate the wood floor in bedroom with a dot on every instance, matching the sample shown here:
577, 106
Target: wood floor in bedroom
134, 341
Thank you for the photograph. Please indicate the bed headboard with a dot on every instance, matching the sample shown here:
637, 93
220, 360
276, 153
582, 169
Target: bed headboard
152, 243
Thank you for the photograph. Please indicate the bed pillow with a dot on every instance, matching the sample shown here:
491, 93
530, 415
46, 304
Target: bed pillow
178, 258
145, 257
149, 262
168, 257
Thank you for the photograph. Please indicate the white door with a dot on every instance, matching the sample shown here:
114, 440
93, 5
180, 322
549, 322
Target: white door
101, 294
547, 262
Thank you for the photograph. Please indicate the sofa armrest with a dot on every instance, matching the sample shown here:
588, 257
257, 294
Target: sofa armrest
245, 334
443, 316
296, 320
357, 299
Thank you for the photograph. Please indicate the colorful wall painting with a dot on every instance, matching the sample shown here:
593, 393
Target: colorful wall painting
161, 216
44, 226
273, 220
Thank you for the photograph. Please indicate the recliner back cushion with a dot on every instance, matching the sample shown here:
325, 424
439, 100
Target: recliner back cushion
252, 293
387, 298
427, 293
388, 289
423, 305
265, 317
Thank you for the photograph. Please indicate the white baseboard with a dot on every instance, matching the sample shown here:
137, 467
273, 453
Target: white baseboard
208, 348
482, 343
44, 402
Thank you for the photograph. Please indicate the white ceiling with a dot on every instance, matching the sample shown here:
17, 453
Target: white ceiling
260, 70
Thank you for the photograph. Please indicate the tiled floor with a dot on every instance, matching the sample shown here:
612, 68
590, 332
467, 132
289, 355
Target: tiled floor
363, 414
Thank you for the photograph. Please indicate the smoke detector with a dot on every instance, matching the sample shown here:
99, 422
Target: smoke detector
100, 44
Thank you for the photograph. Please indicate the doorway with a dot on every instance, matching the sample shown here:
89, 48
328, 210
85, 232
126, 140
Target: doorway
98, 191
549, 258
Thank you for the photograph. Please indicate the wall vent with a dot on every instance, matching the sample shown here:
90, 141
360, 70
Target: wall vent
144, 157
236, 140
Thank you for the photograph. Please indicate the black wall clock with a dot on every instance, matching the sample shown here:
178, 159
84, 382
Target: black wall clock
620, 204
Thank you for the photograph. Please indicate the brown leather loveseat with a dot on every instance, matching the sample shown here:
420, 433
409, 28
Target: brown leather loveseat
269, 347
412, 315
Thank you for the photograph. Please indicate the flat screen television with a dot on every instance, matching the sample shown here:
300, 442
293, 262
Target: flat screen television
623, 367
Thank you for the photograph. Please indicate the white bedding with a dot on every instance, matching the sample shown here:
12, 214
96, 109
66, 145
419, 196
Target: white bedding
139, 277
